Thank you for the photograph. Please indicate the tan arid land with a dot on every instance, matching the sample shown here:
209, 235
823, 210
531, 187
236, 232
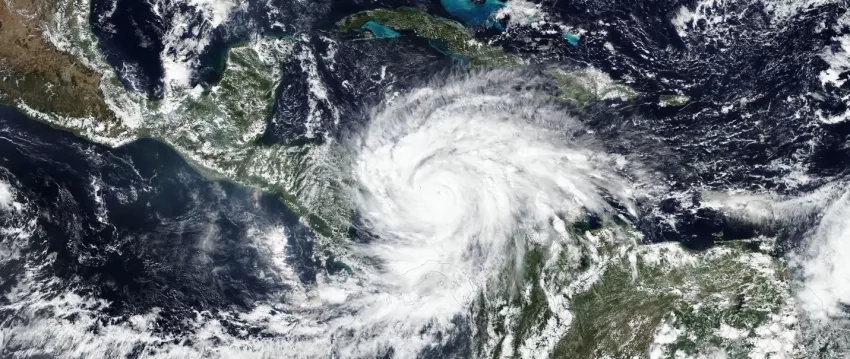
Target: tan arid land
36, 73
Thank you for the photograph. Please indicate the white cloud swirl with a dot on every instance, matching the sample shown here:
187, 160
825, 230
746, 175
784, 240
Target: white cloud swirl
449, 180
454, 177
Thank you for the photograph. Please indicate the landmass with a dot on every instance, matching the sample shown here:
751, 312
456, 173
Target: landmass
456, 39
601, 293
586, 85
673, 100
592, 296
36, 75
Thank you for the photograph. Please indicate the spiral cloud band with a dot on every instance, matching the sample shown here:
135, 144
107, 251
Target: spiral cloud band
450, 184
454, 177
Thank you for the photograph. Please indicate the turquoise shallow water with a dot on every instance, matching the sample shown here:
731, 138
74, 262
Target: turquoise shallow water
572, 39
379, 30
473, 14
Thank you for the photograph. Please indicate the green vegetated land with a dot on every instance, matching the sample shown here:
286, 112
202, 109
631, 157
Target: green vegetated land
450, 35
586, 85
659, 298
673, 100
620, 315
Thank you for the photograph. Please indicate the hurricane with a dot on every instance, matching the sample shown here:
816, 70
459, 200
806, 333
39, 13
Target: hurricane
452, 181
449, 185
424, 179
450, 177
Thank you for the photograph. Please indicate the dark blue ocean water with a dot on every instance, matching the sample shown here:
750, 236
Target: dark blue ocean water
135, 35
131, 40
136, 225
767, 72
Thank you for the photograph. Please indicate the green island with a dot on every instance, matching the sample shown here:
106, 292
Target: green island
602, 294
586, 85
673, 100
457, 39
225, 144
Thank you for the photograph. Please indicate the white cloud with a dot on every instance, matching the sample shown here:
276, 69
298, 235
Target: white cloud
824, 263
7, 198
